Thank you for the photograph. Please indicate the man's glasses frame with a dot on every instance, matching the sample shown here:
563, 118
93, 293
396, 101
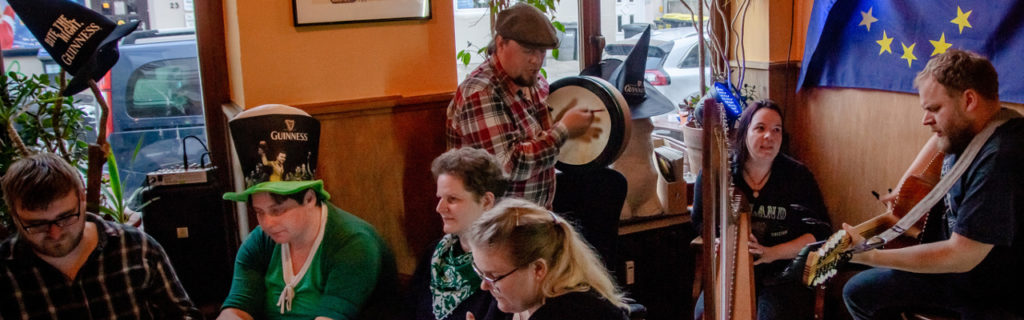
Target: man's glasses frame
62, 221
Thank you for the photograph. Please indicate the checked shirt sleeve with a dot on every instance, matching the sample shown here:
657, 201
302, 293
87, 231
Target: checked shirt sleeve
525, 144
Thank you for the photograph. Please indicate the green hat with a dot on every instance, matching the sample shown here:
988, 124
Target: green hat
280, 187
277, 149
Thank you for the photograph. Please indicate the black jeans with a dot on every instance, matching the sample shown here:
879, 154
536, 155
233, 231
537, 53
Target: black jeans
880, 293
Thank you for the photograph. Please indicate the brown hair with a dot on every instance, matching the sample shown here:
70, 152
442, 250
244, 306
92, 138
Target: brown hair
36, 181
959, 70
479, 170
740, 139
527, 232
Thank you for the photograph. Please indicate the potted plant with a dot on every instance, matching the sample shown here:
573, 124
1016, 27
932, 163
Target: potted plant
693, 133
36, 118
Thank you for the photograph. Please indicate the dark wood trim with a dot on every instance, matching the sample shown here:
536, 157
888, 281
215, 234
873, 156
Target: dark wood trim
590, 27
376, 104
213, 72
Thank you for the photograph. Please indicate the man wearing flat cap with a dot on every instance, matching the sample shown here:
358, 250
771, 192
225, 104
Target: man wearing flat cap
501, 107
308, 259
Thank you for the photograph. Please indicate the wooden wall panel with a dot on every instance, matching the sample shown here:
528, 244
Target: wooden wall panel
375, 162
856, 141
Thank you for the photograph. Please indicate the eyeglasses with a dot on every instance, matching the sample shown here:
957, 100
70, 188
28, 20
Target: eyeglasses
64, 220
489, 280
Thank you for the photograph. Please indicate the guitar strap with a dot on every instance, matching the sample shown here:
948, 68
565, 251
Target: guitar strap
942, 187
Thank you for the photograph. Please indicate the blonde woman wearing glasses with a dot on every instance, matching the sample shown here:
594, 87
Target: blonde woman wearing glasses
538, 267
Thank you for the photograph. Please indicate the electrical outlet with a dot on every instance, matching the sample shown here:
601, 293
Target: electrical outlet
182, 232
630, 269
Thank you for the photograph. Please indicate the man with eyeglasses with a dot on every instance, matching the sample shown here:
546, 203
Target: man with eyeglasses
65, 263
501, 107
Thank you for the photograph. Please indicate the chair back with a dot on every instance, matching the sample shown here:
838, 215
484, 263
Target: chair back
593, 200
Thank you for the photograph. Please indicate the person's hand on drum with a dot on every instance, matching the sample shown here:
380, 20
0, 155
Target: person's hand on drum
577, 120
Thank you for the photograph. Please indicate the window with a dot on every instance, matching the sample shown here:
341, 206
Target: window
470, 4
692, 59
671, 58
165, 88
472, 32
154, 90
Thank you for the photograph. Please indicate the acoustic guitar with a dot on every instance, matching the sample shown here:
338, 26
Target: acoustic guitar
824, 258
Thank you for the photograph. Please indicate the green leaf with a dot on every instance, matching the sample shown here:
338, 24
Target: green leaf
115, 178
554, 53
111, 213
544, 73
558, 25
135, 153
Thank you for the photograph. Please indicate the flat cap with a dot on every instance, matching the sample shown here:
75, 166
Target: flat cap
527, 25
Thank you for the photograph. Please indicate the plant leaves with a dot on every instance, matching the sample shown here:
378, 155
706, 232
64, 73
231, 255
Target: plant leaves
135, 153
115, 179
558, 25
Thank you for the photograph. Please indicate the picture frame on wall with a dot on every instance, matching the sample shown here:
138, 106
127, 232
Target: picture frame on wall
320, 12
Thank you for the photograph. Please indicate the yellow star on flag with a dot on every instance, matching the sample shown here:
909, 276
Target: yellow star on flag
885, 44
866, 19
908, 53
941, 45
961, 19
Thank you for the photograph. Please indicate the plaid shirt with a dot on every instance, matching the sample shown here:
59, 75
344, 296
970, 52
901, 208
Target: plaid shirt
127, 276
513, 125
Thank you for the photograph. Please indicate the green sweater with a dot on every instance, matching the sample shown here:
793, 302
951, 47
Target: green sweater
351, 268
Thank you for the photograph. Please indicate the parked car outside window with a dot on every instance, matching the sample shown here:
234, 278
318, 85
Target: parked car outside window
672, 61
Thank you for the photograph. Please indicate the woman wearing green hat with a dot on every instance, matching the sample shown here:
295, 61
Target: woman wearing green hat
308, 258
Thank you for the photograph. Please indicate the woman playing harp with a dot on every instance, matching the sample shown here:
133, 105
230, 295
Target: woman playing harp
787, 213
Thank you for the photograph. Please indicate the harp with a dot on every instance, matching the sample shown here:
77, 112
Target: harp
728, 277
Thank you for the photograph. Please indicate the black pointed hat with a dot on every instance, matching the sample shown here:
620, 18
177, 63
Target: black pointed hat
644, 100
82, 41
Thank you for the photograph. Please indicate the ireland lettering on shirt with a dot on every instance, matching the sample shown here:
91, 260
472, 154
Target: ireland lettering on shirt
770, 212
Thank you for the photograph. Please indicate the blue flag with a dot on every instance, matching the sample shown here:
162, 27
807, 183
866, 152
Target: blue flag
883, 44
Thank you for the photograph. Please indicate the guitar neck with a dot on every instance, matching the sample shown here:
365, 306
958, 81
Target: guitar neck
875, 225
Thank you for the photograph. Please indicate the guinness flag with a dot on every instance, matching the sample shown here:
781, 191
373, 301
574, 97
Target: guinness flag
82, 41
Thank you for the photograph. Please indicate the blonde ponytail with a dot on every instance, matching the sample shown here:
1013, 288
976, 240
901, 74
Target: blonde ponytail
529, 232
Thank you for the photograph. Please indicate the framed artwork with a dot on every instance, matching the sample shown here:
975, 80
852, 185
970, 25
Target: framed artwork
318, 12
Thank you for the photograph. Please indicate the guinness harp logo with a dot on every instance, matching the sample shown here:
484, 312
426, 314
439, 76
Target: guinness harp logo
290, 124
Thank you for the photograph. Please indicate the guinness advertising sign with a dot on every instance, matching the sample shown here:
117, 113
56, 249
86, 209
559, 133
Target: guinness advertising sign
276, 143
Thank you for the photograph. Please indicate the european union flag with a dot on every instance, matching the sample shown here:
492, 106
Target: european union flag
883, 44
